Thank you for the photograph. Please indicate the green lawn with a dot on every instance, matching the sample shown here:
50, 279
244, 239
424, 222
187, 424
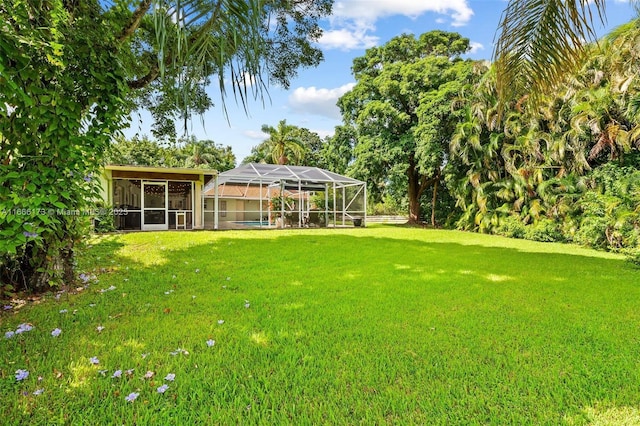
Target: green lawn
354, 326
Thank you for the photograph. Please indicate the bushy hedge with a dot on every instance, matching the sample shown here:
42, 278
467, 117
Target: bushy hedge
603, 214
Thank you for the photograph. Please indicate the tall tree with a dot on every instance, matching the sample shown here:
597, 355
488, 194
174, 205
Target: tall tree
70, 73
301, 147
207, 154
401, 109
284, 143
141, 151
337, 151
312, 147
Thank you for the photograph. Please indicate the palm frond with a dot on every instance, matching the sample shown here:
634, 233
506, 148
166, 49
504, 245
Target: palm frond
540, 42
223, 36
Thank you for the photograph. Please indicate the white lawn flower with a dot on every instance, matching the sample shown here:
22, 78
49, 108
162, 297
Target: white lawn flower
132, 396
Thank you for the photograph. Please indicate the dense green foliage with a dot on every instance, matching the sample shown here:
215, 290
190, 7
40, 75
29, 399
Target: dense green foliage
328, 326
564, 171
562, 168
401, 110
187, 152
541, 41
62, 94
70, 74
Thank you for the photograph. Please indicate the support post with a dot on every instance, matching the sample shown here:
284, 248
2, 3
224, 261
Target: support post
365, 204
260, 188
216, 207
326, 205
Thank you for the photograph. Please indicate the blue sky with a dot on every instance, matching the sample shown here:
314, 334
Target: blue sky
354, 26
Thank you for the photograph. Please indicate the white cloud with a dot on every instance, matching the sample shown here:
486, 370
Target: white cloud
475, 47
318, 101
371, 10
255, 134
353, 20
347, 39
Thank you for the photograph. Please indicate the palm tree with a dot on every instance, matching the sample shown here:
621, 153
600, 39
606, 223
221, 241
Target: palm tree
283, 141
198, 155
541, 42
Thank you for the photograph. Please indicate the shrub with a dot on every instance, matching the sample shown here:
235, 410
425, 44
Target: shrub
545, 230
592, 232
103, 221
633, 256
510, 226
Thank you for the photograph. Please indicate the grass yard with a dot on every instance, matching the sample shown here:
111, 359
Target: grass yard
356, 326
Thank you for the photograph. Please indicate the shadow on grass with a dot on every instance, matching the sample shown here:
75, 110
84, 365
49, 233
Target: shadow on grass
372, 255
456, 331
357, 259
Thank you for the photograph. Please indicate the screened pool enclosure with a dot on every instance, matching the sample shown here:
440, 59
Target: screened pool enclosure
279, 196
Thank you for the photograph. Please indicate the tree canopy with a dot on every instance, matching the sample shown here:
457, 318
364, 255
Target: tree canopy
187, 152
540, 42
71, 73
547, 172
401, 110
288, 144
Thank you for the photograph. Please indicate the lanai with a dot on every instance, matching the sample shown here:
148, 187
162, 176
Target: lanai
268, 195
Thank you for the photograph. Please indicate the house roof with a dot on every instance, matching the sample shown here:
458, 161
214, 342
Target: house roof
269, 174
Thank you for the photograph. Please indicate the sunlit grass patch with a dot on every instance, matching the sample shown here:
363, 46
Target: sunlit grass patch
374, 325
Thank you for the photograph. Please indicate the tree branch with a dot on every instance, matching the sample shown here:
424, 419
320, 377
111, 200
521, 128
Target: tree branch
136, 18
144, 81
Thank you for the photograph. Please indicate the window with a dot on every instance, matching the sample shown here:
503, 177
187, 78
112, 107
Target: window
126, 194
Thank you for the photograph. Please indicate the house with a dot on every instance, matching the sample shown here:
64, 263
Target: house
252, 195
155, 198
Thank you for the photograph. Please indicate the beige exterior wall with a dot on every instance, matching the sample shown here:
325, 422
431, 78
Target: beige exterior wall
198, 220
106, 188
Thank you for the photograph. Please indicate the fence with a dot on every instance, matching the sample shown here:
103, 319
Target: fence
387, 219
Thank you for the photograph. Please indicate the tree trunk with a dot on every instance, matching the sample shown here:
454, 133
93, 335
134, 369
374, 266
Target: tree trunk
436, 182
37, 272
414, 195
